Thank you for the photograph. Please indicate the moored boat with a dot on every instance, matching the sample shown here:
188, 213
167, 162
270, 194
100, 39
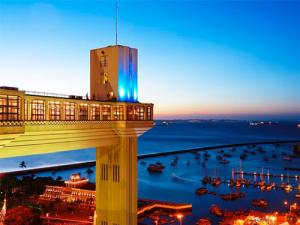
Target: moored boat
201, 191
216, 210
216, 181
259, 203
155, 168
287, 158
288, 188
206, 180
224, 161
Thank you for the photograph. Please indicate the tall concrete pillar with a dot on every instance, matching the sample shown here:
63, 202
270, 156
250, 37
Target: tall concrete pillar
116, 183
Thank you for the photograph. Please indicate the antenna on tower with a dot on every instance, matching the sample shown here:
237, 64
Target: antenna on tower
116, 6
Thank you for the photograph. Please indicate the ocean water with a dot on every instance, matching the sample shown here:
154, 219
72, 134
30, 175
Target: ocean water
176, 135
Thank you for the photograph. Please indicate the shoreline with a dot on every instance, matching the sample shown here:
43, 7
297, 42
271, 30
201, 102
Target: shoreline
143, 156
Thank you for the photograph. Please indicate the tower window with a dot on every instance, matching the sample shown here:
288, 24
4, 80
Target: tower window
104, 61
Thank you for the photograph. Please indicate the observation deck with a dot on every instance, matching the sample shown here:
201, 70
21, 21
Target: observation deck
65, 117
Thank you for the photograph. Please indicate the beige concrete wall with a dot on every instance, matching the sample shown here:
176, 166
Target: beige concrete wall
117, 194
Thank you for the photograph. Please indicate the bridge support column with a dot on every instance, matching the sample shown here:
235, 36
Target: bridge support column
116, 183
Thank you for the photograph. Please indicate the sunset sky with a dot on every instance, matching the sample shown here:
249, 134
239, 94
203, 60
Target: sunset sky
197, 59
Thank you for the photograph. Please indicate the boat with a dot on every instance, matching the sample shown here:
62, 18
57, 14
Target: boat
221, 151
224, 161
261, 183
206, 155
239, 183
261, 150
288, 188
203, 221
216, 181
201, 191
298, 195
155, 168
270, 186
247, 182
298, 125
216, 210
218, 157
232, 196
227, 155
287, 158
206, 180
259, 203
231, 183
243, 156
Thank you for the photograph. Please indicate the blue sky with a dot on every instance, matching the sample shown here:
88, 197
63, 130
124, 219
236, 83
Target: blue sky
196, 58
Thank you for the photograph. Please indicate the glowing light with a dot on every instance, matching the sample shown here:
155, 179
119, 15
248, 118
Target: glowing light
135, 95
179, 216
121, 92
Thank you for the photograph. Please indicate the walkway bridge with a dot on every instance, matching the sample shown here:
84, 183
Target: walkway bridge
35, 123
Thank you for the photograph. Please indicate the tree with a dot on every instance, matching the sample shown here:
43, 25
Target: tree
22, 164
59, 178
89, 172
22, 215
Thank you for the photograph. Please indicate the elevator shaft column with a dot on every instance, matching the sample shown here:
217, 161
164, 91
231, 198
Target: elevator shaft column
116, 182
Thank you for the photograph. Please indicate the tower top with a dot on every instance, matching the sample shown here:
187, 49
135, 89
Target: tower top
113, 74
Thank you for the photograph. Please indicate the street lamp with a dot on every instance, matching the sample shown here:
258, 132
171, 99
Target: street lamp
180, 218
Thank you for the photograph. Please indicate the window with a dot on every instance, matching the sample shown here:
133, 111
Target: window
54, 110
104, 61
149, 113
95, 112
83, 112
130, 112
106, 112
70, 111
118, 112
141, 115
37, 110
9, 107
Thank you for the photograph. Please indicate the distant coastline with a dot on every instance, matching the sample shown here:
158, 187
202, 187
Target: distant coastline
143, 156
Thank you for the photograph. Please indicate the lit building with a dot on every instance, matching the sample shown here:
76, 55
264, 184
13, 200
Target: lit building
76, 181
85, 198
110, 121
